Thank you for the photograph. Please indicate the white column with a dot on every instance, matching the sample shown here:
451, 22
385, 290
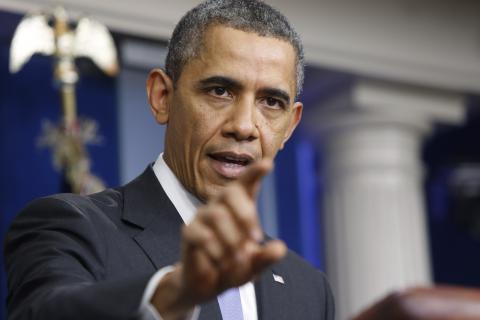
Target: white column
374, 201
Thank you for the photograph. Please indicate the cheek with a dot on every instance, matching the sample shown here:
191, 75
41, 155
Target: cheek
272, 134
204, 124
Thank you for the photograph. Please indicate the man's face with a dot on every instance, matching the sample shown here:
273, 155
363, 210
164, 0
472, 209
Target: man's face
232, 105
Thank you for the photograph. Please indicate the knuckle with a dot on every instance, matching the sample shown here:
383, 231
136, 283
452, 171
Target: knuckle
214, 249
248, 212
216, 213
206, 239
197, 234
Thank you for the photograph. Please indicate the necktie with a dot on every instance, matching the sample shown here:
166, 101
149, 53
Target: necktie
231, 305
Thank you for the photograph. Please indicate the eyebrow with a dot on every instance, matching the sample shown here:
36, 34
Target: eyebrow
234, 84
222, 81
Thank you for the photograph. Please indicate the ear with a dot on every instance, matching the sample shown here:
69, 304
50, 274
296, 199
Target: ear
159, 93
294, 120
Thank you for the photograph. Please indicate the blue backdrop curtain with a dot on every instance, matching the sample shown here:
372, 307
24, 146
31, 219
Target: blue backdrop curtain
454, 228
298, 190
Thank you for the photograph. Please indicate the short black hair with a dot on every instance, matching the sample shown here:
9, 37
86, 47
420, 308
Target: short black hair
246, 15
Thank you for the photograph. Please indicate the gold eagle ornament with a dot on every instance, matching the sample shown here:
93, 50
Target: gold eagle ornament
51, 34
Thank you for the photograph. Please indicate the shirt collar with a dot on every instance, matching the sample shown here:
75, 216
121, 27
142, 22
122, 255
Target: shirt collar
185, 203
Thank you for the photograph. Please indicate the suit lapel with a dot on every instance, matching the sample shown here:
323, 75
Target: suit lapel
272, 296
147, 206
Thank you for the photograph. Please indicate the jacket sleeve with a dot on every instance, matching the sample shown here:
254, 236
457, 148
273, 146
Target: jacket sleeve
55, 265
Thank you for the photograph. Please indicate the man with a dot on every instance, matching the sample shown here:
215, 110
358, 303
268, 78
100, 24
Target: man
227, 97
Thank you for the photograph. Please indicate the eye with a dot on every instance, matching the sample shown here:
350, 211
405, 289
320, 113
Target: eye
219, 92
273, 103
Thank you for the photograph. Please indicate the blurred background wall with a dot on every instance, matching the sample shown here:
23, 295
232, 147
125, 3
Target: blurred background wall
379, 186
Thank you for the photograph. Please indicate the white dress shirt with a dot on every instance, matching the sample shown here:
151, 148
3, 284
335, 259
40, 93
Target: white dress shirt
186, 205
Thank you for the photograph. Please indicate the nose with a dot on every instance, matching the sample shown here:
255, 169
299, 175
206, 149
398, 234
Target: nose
241, 123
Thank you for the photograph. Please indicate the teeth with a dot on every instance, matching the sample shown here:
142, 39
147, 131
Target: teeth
232, 165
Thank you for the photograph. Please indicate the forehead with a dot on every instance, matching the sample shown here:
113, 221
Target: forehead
246, 56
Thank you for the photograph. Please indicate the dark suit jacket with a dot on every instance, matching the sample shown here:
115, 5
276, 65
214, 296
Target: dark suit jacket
90, 257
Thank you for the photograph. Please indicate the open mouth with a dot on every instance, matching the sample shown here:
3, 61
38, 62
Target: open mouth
230, 165
232, 158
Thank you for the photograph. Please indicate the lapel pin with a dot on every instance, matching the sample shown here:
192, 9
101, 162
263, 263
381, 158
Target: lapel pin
278, 278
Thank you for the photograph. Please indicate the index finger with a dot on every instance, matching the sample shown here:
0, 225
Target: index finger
252, 177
